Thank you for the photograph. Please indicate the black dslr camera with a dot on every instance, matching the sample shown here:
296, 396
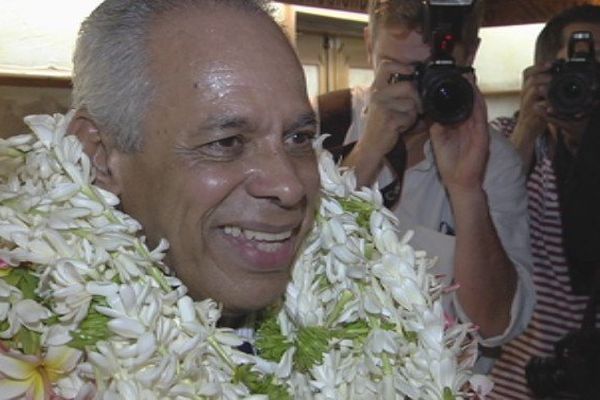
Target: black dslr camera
446, 95
575, 85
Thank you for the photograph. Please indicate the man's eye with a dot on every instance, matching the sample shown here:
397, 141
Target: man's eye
226, 147
301, 139
229, 142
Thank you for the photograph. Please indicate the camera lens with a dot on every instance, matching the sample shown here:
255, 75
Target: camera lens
447, 97
570, 94
572, 90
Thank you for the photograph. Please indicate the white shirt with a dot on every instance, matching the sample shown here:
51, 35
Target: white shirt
424, 207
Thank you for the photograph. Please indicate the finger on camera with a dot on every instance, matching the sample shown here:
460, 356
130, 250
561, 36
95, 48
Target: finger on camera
539, 107
384, 71
399, 89
392, 96
538, 69
540, 79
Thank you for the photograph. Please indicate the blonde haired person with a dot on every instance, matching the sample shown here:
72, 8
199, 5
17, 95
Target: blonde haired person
462, 188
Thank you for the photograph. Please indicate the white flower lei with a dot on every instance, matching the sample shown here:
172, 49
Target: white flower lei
87, 310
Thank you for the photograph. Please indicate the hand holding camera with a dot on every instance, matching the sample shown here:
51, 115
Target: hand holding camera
447, 96
562, 93
392, 109
575, 87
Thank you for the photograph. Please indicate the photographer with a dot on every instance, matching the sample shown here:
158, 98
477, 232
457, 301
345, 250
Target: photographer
557, 132
462, 190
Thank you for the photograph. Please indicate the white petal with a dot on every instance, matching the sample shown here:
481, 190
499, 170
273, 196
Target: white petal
31, 312
126, 327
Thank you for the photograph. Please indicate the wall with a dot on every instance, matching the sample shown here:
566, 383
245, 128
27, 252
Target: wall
18, 101
503, 54
37, 38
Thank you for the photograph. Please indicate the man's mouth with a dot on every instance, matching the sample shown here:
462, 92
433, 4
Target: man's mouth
268, 242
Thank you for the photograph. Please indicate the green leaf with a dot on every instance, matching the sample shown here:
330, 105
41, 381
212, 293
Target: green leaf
362, 209
258, 384
448, 394
411, 337
93, 328
270, 342
23, 279
357, 330
370, 251
29, 341
312, 343
344, 298
53, 320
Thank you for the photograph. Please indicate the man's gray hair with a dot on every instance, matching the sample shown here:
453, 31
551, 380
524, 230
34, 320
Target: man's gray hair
110, 73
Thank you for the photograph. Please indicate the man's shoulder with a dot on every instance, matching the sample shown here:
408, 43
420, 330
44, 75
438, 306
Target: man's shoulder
504, 161
501, 147
360, 93
503, 125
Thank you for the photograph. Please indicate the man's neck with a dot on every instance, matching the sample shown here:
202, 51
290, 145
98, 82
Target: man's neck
235, 321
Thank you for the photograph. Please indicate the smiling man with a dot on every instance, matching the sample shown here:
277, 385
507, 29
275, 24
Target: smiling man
195, 114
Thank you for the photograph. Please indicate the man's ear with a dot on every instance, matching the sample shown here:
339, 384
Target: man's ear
98, 147
368, 36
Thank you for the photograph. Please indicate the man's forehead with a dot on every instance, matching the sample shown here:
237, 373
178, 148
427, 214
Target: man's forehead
211, 24
201, 39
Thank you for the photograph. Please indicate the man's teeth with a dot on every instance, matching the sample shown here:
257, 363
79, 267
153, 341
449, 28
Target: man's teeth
236, 231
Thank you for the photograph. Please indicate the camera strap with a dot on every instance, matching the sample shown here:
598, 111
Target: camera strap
589, 317
579, 196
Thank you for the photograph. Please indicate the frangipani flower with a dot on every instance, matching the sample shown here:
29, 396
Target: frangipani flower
27, 376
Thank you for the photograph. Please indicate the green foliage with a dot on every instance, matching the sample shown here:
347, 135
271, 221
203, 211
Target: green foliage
270, 342
448, 394
411, 337
357, 330
93, 328
370, 251
257, 384
360, 208
27, 340
23, 279
311, 344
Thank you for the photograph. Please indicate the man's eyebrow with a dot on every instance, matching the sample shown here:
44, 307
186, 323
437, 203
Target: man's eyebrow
226, 122
305, 120
232, 122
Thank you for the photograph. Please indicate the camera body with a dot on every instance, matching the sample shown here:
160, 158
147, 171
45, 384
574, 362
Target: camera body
575, 86
575, 367
446, 95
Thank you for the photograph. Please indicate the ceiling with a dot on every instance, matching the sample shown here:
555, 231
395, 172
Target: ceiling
512, 12
498, 12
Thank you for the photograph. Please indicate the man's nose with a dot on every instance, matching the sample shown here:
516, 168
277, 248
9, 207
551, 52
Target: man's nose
276, 176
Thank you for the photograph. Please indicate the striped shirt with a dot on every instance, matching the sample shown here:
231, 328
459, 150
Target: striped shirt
557, 311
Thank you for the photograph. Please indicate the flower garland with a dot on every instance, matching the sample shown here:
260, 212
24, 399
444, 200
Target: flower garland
88, 311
